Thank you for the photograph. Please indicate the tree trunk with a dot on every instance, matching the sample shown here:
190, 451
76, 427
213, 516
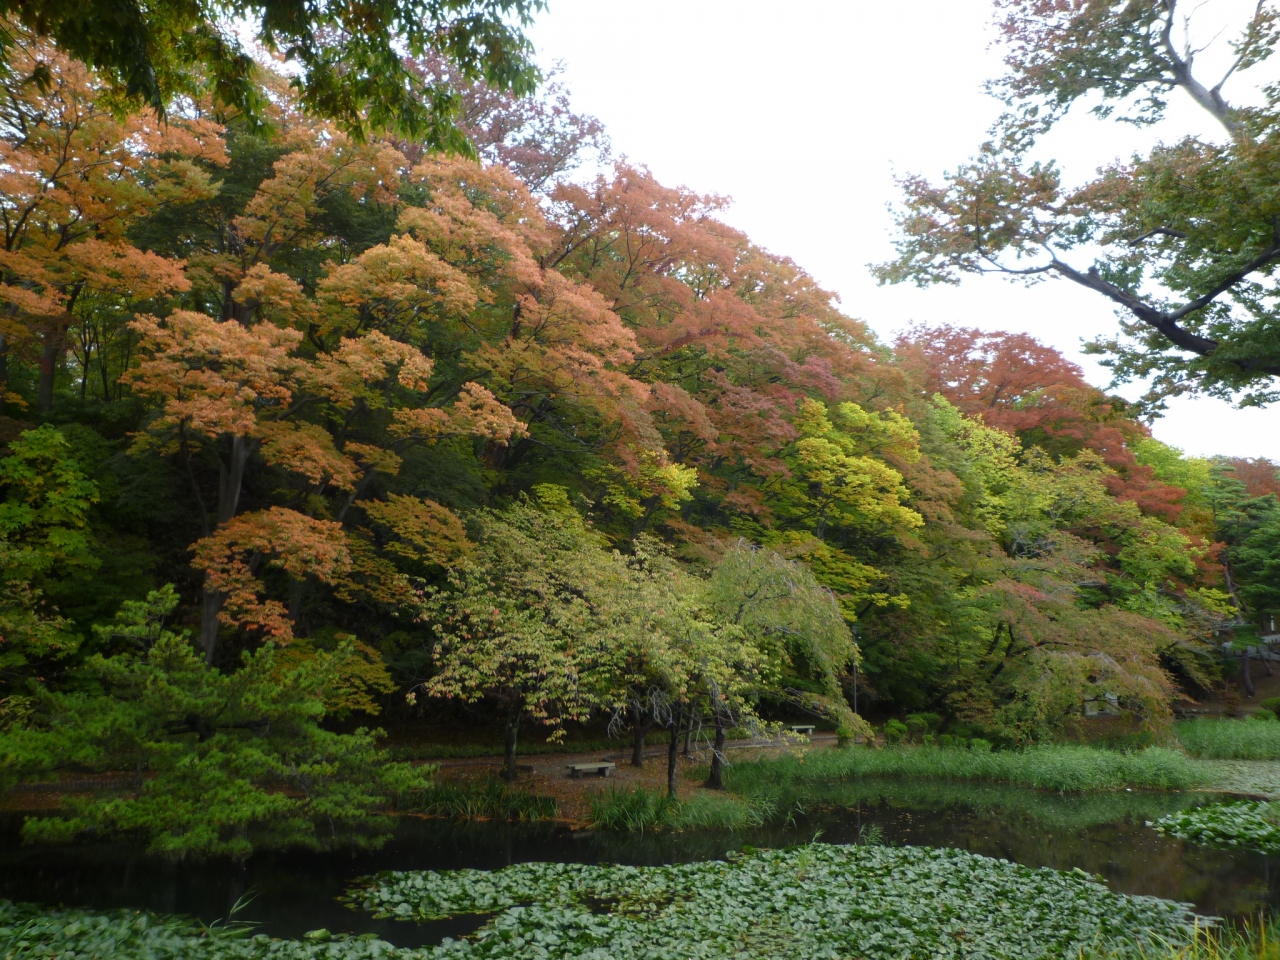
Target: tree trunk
4, 369
50, 355
1244, 674
673, 751
1266, 664
509, 746
688, 736
715, 779
210, 608
638, 732
230, 483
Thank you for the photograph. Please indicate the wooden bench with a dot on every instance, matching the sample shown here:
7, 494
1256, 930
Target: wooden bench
802, 729
600, 769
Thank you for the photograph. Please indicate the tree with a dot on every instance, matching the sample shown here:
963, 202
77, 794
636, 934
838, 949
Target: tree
43, 539
351, 60
796, 626
1186, 238
537, 622
75, 174
210, 751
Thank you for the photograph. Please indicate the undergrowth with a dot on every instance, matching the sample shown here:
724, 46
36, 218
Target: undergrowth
1050, 767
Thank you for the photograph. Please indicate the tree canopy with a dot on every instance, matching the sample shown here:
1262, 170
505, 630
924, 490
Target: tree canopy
1181, 241
300, 430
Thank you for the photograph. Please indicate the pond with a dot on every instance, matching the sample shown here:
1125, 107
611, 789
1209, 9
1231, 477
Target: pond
291, 893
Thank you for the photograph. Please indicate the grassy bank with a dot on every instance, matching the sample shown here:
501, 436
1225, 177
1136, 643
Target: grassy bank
1230, 739
1061, 768
639, 810
488, 799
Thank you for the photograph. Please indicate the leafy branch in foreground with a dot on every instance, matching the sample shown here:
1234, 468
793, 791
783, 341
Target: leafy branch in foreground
1189, 234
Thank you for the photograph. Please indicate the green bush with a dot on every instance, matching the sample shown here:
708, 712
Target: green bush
894, 731
1272, 704
1264, 715
946, 740
1230, 739
978, 745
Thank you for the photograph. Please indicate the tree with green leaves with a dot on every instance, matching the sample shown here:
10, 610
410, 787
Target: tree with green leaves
1183, 240
350, 58
221, 762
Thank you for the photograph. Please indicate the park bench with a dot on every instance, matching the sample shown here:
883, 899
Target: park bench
600, 768
802, 729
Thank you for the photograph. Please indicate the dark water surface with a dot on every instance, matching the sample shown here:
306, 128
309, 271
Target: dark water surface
297, 891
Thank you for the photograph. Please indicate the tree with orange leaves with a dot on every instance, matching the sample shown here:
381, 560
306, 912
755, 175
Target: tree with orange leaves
75, 175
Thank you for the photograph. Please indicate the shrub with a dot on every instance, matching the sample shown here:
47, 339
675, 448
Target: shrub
1230, 739
978, 745
946, 740
894, 731
1263, 714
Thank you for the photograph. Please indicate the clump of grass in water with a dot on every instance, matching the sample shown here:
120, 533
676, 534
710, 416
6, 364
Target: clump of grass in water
1050, 767
489, 799
1230, 739
639, 809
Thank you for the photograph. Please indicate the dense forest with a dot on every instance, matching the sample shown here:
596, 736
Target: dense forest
306, 431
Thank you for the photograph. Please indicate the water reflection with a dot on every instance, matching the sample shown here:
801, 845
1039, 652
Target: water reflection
294, 892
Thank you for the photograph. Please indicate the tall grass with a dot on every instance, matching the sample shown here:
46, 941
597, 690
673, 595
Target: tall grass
1253, 941
1061, 768
1230, 739
638, 810
489, 799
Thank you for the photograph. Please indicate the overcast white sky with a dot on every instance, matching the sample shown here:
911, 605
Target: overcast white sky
803, 112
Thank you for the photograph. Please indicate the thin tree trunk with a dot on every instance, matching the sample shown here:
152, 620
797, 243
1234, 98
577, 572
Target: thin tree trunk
511, 731
688, 736
1266, 664
638, 732
673, 751
211, 606
715, 779
230, 484
4, 369
1244, 674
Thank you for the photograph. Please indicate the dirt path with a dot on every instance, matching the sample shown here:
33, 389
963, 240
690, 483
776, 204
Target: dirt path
547, 774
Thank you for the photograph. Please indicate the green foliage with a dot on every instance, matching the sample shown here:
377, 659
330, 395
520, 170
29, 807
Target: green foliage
804, 901
488, 799
223, 761
1229, 739
1245, 825
163, 50
44, 515
639, 809
1062, 768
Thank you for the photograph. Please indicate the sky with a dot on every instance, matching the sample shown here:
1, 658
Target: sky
804, 112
